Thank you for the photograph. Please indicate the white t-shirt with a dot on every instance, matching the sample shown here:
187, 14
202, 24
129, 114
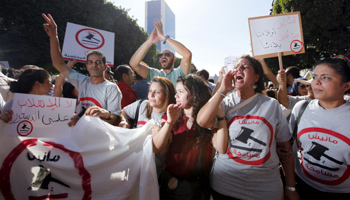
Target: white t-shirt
105, 95
292, 101
322, 153
249, 169
130, 110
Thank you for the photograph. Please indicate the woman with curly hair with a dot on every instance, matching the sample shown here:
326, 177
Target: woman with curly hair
188, 146
248, 169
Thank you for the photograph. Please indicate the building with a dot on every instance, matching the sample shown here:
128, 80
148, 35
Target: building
159, 9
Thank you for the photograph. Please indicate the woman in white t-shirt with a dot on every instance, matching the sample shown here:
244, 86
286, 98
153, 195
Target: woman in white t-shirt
322, 146
257, 127
161, 93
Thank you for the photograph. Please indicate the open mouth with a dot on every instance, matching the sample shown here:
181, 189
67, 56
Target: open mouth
239, 78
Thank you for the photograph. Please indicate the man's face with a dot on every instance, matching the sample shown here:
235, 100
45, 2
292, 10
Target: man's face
131, 77
166, 59
95, 66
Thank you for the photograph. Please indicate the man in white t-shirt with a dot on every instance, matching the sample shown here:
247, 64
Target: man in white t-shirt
100, 98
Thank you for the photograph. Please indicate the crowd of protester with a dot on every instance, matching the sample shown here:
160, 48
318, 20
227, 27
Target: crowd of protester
235, 139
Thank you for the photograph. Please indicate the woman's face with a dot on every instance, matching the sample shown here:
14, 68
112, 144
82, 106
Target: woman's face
245, 76
327, 85
302, 89
156, 95
181, 95
45, 87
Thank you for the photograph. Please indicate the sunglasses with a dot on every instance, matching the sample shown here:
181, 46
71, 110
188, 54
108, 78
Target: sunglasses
166, 54
303, 86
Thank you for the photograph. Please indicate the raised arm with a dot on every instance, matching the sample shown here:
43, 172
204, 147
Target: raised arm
220, 135
177, 46
135, 61
282, 94
268, 72
60, 80
218, 83
206, 115
55, 50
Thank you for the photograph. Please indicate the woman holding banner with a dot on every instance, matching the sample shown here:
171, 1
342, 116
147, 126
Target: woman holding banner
31, 81
257, 127
188, 147
321, 126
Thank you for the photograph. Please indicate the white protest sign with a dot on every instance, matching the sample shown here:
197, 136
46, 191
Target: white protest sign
41, 116
5, 64
229, 63
79, 40
273, 34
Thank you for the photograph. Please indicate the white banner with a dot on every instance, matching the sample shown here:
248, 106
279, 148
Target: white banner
99, 161
5, 64
41, 116
79, 40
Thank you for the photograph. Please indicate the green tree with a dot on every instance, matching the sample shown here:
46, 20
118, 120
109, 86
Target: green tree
326, 29
23, 40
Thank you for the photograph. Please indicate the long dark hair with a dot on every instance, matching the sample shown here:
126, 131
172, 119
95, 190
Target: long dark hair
199, 95
26, 80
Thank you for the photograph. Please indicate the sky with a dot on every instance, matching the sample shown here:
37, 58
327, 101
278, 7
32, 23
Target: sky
210, 29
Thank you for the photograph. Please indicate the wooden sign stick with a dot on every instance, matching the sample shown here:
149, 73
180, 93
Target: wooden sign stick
280, 60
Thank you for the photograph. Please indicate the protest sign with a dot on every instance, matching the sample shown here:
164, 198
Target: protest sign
79, 40
275, 34
229, 63
98, 161
41, 116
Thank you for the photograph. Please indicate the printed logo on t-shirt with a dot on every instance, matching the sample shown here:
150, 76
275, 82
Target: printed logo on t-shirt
87, 102
322, 155
251, 139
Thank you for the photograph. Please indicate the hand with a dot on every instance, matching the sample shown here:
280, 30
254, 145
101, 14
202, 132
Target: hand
173, 113
50, 27
96, 111
71, 63
155, 129
7, 116
159, 27
226, 85
124, 124
281, 77
73, 121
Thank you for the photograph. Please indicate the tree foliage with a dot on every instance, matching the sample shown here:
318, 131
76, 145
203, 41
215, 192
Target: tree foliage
326, 30
24, 41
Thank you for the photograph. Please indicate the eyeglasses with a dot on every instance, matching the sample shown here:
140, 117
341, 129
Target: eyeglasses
166, 54
303, 86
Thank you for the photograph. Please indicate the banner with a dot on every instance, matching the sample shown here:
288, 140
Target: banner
273, 34
99, 161
79, 40
41, 116
5, 64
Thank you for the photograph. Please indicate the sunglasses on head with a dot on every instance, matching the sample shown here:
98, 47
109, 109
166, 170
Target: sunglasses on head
166, 54
303, 86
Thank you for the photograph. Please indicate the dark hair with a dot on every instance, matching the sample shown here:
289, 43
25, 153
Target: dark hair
203, 73
294, 90
338, 65
67, 90
4, 70
257, 69
99, 53
271, 93
120, 70
26, 80
169, 92
293, 70
199, 95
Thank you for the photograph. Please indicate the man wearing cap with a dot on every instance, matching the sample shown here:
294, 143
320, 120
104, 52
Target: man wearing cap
98, 96
109, 74
166, 58
126, 77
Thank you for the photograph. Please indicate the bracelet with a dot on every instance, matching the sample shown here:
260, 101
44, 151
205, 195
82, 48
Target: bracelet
221, 118
222, 94
169, 123
166, 37
110, 114
290, 188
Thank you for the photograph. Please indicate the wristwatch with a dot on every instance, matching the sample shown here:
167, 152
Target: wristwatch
221, 118
290, 188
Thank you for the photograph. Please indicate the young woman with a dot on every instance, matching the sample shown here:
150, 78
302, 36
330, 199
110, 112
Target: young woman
31, 81
322, 152
160, 94
257, 127
188, 146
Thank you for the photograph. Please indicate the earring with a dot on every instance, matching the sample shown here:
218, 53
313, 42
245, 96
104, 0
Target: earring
254, 86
